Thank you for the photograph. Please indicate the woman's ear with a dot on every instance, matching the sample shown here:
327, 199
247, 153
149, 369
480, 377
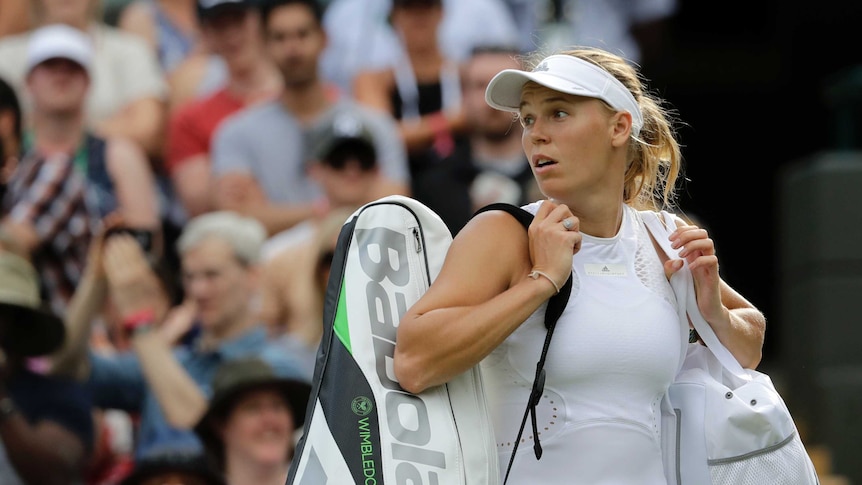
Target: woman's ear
621, 126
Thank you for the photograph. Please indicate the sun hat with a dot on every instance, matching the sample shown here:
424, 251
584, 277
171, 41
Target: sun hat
25, 328
238, 376
566, 74
59, 41
195, 465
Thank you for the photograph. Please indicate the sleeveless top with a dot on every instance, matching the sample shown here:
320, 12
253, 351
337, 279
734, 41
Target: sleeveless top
615, 352
65, 198
410, 100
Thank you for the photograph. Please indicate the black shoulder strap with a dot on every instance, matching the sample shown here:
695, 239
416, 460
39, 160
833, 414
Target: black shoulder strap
556, 305
558, 302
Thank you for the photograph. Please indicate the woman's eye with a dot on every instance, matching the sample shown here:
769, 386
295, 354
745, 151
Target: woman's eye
526, 120
560, 114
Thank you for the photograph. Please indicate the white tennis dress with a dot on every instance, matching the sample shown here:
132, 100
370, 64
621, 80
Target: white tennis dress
615, 351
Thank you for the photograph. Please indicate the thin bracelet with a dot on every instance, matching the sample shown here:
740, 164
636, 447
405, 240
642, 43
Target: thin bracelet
535, 275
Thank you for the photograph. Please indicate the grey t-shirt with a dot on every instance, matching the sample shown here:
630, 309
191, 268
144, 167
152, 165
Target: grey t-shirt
268, 143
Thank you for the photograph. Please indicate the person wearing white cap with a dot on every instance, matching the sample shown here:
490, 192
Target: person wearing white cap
128, 86
602, 149
68, 180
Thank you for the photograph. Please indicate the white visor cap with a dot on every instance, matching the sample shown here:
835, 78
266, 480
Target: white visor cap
566, 74
59, 41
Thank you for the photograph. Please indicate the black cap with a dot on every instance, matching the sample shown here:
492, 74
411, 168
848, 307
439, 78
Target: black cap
341, 134
208, 8
158, 465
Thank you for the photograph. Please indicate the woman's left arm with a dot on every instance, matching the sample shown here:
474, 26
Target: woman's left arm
737, 323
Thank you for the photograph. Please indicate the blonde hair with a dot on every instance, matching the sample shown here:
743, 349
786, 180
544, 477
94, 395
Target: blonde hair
655, 159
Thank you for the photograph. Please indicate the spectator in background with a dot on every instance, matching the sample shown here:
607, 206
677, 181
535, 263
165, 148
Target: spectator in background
488, 164
128, 88
633, 29
119, 263
500, 172
249, 426
46, 430
198, 76
344, 163
169, 386
232, 30
10, 134
361, 37
69, 179
259, 155
294, 287
422, 91
170, 27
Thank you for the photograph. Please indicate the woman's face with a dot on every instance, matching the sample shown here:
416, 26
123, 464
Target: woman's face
66, 11
568, 141
218, 283
260, 428
417, 24
234, 34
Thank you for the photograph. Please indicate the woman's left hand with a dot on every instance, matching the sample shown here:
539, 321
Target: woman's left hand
698, 250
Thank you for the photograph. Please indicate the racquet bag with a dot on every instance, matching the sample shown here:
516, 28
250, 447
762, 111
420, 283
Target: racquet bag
361, 426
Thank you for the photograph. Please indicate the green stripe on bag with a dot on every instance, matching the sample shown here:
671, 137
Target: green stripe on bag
341, 328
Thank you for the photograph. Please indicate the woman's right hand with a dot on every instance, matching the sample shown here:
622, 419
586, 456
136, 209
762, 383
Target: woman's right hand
554, 238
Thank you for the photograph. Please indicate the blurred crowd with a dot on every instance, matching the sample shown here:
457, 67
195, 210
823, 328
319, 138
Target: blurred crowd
173, 185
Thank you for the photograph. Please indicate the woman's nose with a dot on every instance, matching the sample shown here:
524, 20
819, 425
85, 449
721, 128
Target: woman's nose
537, 131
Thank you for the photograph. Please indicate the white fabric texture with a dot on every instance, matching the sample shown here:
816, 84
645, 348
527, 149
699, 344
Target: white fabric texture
731, 424
615, 351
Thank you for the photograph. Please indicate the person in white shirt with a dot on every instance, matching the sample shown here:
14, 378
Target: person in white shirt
601, 149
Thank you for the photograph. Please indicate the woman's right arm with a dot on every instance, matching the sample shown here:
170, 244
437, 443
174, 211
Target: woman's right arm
480, 297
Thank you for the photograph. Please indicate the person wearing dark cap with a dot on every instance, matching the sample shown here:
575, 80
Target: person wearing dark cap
174, 469
259, 155
343, 162
231, 30
253, 415
46, 427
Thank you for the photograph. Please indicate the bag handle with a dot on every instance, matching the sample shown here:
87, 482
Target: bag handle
556, 305
682, 278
